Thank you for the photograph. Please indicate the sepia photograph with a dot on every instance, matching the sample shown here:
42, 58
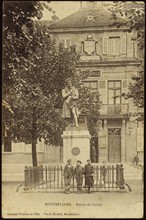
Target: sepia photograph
72, 109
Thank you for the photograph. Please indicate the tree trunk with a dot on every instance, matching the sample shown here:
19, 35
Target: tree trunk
34, 139
34, 153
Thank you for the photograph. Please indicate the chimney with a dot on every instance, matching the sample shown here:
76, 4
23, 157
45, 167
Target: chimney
91, 4
94, 4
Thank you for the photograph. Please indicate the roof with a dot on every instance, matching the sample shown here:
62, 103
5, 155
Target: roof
79, 19
44, 22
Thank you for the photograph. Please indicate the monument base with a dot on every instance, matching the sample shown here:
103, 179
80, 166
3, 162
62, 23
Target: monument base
76, 144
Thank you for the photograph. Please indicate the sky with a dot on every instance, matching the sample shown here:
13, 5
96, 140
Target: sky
62, 8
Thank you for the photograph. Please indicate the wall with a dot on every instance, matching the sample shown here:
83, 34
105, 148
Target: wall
53, 154
140, 141
131, 140
13, 163
78, 37
21, 154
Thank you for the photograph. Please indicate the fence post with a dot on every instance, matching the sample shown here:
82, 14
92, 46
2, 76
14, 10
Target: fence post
122, 177
33, 176
46, 176
112, 176
54, 177
61, 178
26, 177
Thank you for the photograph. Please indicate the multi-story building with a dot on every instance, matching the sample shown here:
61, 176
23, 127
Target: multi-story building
112, 57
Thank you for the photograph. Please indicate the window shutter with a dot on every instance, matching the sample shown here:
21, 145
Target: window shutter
123, 44
62, 41
124, 83
82, 47
103, 91
67, 43
96, 47
105, 45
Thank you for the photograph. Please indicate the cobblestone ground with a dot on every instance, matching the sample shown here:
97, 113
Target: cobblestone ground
59, 205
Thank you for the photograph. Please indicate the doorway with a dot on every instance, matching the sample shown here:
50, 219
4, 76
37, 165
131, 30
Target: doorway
114, 145
94, 152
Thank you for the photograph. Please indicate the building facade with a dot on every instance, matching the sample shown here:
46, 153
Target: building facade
112, 57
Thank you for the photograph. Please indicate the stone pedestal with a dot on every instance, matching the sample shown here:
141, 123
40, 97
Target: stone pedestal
76, 142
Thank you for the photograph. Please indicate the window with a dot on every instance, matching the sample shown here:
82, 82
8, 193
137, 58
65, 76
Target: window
62, 41
93, 85
66, 42
114, 45
114, 92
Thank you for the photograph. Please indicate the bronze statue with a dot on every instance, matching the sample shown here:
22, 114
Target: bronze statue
70, 95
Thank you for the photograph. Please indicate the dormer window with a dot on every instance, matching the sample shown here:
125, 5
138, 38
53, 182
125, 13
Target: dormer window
90, 17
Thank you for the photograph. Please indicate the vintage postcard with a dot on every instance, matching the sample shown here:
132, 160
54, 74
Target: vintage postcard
73, 109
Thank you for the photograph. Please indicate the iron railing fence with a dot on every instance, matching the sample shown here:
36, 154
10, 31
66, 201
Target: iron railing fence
114, 109
51, 178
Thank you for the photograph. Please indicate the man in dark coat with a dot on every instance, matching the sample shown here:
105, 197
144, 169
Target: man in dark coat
68, 174
88, 172
93, 154
78, 173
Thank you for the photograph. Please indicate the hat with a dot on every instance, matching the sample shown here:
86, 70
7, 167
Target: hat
69, 160
88, 160
68, 80
79, 161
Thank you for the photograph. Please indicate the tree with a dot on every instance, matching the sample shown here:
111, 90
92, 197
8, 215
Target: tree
134, 14
34, 73
16, 14
15, 51
37, 102
89, 101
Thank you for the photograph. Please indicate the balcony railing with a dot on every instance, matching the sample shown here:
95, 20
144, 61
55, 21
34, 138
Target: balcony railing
114, 109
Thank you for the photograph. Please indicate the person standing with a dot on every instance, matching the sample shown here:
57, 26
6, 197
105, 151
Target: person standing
88, 172
93, 154
68, 174
78, 173
136, 160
